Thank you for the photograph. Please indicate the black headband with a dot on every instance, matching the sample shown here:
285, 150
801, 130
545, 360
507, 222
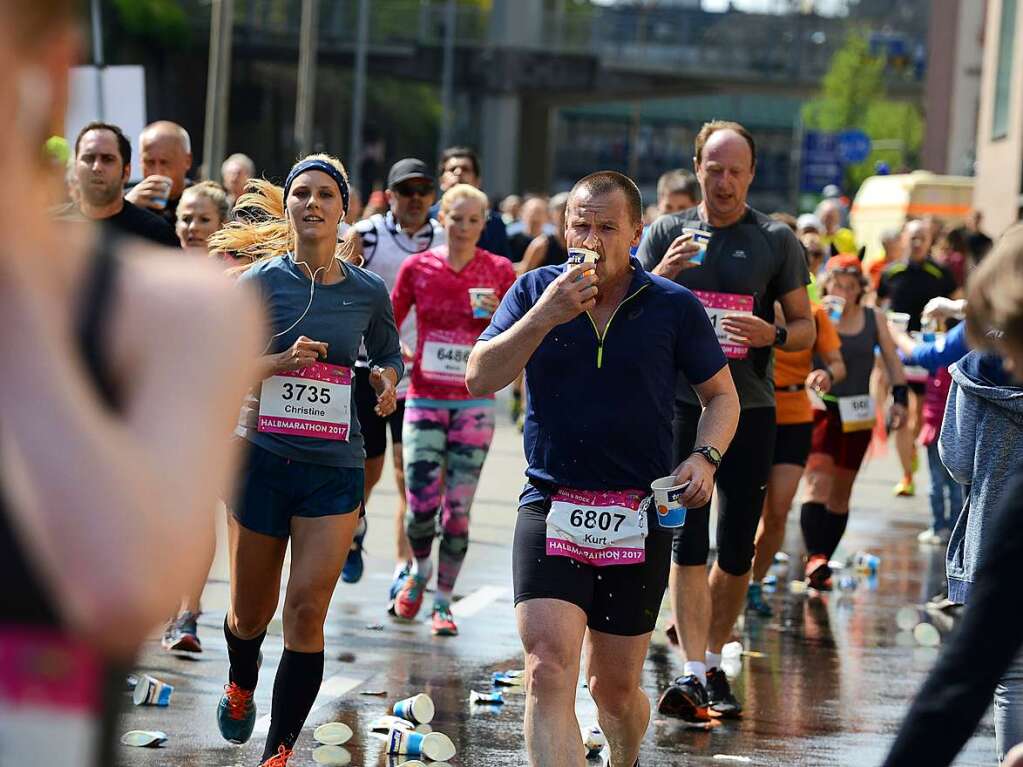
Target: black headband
320, 165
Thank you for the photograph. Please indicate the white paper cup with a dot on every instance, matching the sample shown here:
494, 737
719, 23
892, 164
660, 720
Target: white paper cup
144, 738
671, 513
435, 746
582, 256
701, 238
332, 734
475, 301
334, 756
899, 320
150, 691
834, 305
418, 709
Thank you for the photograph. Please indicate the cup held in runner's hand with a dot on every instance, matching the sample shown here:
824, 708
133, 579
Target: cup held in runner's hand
476, 296
900, 321
418, 709
582, 256
834, 305
671, 513
700, 238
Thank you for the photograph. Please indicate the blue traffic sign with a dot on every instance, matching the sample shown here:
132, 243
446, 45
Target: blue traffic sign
821, 163
853, 146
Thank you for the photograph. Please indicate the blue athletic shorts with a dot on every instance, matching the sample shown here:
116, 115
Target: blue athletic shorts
272, 490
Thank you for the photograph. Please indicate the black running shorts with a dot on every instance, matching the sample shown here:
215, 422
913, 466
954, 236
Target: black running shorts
792, 444
741, 484
618, 599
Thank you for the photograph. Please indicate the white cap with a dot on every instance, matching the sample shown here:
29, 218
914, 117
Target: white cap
809, 221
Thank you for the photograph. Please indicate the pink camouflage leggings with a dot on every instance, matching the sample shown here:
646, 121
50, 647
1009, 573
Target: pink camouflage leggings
444, 453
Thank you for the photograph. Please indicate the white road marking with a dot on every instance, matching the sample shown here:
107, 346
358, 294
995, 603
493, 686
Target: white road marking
478, 600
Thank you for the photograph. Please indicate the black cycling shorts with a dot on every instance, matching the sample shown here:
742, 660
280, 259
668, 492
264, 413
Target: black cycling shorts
792, 444
374, 428
741, 484
618, 599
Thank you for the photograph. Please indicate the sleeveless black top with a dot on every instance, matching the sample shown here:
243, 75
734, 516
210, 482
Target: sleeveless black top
46, 674
556, 253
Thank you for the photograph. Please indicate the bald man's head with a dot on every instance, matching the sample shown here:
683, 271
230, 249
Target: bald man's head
166, 150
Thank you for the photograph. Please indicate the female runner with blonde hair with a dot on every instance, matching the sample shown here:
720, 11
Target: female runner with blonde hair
303, 476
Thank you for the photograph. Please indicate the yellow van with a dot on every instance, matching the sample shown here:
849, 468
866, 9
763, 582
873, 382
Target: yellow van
886, 202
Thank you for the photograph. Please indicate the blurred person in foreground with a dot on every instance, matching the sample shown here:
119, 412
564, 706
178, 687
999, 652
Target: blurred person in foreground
165, 150
983, 655
101, 167
108, 475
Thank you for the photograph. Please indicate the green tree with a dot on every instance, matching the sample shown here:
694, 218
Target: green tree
854, 96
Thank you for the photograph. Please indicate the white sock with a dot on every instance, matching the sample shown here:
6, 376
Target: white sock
442, 598
400, 569
360, 529
697, 669
713, 659
423, 568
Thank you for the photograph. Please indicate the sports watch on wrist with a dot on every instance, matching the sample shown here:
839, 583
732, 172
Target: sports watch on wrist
781, 335
712, 454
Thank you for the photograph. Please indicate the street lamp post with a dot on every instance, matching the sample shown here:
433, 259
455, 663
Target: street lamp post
447, 78
305, 102
359, 90
218, 86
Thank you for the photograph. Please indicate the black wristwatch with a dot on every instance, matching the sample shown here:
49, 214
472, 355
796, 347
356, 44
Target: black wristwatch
712, 454
781, 335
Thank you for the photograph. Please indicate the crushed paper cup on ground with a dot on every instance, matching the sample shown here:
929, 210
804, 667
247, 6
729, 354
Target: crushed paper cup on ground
150, 691
418, 709
332, 734
385, 724
926, 635
594, 741
906, 618
333, 756
144, 738
485, 698
435, 746
732, 758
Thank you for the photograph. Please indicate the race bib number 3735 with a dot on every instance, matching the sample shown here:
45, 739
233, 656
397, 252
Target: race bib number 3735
315, 401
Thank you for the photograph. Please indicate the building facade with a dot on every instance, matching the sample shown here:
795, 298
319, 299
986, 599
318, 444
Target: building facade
999, 189
955, 48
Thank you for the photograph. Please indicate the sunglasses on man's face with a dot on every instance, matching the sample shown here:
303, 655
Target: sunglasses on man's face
419, 190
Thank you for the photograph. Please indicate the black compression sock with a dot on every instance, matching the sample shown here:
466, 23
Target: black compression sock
243, 655
811, 520
298, 682
833, 528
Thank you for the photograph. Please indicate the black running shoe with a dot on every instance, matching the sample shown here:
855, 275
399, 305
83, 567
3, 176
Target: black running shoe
719, 695
685, 699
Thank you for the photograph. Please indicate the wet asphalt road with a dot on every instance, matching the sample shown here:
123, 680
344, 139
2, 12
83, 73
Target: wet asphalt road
832, 680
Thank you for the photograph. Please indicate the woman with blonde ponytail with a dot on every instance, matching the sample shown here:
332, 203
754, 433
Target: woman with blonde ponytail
304, 470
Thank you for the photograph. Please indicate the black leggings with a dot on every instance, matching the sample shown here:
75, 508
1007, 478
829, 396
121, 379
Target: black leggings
741, 483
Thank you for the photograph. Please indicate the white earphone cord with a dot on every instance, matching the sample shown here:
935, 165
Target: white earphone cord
308, 306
